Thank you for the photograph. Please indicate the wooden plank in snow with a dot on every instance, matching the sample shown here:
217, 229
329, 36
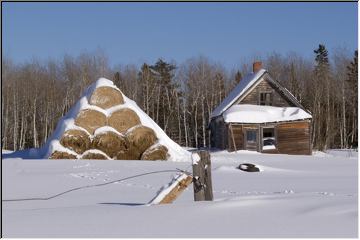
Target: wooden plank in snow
172, 191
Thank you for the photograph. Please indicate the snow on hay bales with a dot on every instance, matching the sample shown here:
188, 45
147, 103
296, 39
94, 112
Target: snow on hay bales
158, 152
106, 97
94, 154
123, 119
90, 120
62, 155
141, 137
76, 140
105, 124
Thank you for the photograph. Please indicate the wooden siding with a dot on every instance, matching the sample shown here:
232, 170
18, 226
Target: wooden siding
237, 133
293, 138
253, 97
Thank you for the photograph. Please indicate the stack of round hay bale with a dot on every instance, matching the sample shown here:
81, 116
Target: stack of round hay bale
117, 136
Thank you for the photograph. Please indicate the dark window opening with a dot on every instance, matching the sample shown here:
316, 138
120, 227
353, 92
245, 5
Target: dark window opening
266, 99
269, 141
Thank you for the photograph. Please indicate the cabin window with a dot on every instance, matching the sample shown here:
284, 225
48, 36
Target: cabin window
269, 141
266, 98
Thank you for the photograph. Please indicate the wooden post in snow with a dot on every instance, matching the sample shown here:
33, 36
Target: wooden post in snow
202, 176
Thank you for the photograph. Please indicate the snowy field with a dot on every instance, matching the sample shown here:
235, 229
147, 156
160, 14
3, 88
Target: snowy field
293, 196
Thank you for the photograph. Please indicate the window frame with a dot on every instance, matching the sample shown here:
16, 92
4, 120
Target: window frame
267, 102
262, 137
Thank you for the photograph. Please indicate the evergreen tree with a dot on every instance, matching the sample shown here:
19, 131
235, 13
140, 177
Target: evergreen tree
321, 108
238, 77
322, 61
236, 80
165, 92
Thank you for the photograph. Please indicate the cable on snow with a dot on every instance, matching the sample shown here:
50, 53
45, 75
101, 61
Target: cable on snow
95, 185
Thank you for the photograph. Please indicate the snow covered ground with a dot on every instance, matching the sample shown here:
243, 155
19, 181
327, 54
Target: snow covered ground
293, 196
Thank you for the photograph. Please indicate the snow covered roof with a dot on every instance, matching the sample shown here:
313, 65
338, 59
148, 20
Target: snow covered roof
245, 113
240, 89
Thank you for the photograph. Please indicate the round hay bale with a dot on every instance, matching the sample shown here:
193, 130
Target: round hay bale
91, 154
141, 138
90, 120
130, 153
123, 119
110, 143
106, 97
76, 140
156, 153
62, 155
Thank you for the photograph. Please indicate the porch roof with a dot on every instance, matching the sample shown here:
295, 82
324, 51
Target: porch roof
245, 113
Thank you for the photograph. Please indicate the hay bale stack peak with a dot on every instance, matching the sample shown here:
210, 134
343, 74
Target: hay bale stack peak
106, 97
104, 124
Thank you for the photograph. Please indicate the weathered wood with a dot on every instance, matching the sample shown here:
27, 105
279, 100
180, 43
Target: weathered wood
236, 138
171, 192
206, 161
202, 176
177, 190
293, 138
278, 98
198, 177
232, 137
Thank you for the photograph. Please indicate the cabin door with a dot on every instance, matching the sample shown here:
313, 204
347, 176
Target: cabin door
251, 139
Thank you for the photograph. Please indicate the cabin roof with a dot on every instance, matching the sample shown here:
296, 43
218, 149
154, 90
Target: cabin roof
239, 89
242, 88
245, 113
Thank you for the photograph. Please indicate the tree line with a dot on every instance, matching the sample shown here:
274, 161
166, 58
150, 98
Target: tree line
178, 97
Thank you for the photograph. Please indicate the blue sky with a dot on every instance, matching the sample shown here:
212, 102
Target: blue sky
138, 32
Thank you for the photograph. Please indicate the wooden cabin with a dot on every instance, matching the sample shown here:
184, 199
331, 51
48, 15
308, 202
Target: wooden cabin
261, 115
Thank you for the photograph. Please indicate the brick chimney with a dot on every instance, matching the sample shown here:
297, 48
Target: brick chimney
257, 66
